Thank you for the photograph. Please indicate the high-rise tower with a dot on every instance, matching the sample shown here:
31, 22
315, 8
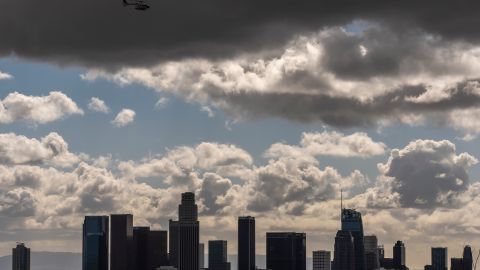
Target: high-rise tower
217, 255
467, 258
344, 253
95, 243
21, 257
286, 251
399, 255
246, 243
352, 222
439, 258
121, 242
184, 235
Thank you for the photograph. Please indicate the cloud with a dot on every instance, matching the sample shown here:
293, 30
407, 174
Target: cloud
5, 76
411, 77
51, 150
255, 28
330, 144
37, 109
424, 174
98, 105
123, 118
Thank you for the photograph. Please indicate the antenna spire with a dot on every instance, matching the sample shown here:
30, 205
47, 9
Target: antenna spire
341, 199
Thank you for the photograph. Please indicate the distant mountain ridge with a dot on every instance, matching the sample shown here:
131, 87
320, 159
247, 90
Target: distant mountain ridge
73, 261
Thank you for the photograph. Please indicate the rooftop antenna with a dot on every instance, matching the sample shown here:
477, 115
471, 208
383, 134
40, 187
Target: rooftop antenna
341, 199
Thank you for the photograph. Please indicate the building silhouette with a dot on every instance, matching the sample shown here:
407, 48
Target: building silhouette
352, 222
246, 243
20, 257
201, 255
321, 260
157, 249
121, 242
140, 248
456, 264
344, 252
184, 235
286, 251
439, 258
217, 255
95, 243
467, 258
399, 255
372, 260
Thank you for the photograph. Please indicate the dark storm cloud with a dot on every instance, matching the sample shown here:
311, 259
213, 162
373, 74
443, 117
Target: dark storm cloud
105, 34
343, 111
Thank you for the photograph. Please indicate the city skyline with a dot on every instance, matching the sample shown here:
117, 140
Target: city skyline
265, 109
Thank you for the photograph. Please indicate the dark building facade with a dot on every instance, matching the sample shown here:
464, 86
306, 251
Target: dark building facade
246, 243
439, 258
467, 258
184, 235
456, 264
157, 249
121, 241
95, 243
286, 251
344, 251
399, 255
217, 255
372, 260
21, 257
352, 221
140, 248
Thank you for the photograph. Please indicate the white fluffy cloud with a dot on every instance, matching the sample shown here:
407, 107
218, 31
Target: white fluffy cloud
98, 105
51, 149
37, 109
330, 144
5, 76
124, 117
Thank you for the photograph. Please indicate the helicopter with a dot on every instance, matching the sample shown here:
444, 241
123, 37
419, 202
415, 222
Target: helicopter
139, 4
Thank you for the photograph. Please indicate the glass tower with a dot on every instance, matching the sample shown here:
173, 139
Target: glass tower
286, 251
217, 255
95, 243
21, 257
352, 222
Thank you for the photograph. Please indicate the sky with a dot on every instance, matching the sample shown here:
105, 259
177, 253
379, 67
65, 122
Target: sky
264, 108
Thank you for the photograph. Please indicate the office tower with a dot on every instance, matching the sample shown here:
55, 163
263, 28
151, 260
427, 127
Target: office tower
381, 252
456, 264
399, 255
184, 235
21, 257
95, 243
286, 251
372, 260
217, 255
201, 256
321, 260
344, 253
246, 243
467, 258
439, 258
140, 248
157, 249
121, 242
352, 221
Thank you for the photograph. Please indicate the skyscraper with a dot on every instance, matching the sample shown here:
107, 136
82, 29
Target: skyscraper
121, 242
157, 249
399, 255
467, 258
201, 255
286, 251
95, 243
21, 257
217, 255
352, 222
372, 260
246, 243
321, 260
344, 253
456, 264
184, 235
439, 258
140, 248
